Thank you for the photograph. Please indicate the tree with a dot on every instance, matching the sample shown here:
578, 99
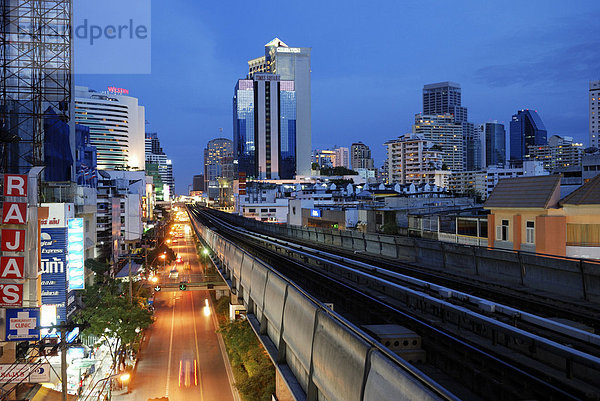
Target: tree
113, 319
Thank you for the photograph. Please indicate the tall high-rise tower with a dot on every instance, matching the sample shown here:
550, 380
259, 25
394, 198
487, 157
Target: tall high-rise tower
594, 97
526, 129
291, 64
446, 98
35, 78
494, 140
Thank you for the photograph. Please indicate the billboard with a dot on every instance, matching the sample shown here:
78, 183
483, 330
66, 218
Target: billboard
54, 272
25, 373
75, 250
315, 213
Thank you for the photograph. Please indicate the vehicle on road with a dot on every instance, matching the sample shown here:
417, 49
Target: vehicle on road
174, 273
188, 371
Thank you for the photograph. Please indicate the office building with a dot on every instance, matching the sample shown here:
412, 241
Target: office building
442, 130
560, 153
594, 101
218, 164
291, 64
198, 183
342, 157
360, 156
156, 155
117, 127
412, 159
493, 138
265, 131
325, 158
526, 130
444, 98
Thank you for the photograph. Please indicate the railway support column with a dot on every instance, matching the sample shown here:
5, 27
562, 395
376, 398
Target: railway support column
282, 392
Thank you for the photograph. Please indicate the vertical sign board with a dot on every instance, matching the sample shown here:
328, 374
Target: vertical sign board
76, 260
22, 324
14, 213
54, 270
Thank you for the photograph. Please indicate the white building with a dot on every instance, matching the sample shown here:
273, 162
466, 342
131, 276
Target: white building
117, 127
483, 182
413, 159
594, 101
342, 155
443, 131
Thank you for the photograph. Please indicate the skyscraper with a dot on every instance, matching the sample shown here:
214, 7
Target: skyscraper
342, 155
291, 64
494, 140
117, 127
444, 98
442, 130
156, 155
526, 129
594, 100
265, 127
218, 164
360, 156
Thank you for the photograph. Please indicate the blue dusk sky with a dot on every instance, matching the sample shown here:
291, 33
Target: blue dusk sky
370, 61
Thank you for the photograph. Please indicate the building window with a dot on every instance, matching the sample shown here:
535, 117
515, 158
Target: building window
251, 210
87, 226
272, 210
530, 232
502, 231
263, 210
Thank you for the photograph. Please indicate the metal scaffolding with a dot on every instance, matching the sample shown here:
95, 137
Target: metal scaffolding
35, 57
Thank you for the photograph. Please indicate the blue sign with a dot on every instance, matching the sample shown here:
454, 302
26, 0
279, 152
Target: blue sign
76, 258
23, 324
315, 213
54, 271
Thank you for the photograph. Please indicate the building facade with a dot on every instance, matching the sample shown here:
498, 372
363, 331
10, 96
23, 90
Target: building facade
117, 128
412, 159
442, 130
526, 130
594, 105
291, 64
360, 156
444, 98
264, 127
218, 164
342, 155
156, 155
493, 137
560, 153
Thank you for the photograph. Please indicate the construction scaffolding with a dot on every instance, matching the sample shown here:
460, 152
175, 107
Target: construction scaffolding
35, 80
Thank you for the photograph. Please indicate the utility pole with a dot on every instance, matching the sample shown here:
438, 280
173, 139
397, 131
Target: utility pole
63, 360
130, 281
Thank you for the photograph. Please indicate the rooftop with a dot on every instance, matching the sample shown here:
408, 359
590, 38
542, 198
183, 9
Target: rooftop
587, 194
525, 192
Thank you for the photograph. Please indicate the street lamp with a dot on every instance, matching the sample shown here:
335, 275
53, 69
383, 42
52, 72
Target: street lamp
164, 258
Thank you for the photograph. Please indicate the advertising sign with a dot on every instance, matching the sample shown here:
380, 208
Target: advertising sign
54, 269
315, 213
76, 259
11, 294
23, 324
26, 373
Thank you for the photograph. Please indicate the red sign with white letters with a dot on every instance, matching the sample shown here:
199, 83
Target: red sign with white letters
13, 240
11, 294
15, 185
14, 213
12, 267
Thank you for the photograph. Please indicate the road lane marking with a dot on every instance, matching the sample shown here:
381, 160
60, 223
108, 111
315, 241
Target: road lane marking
197, 349
170, 347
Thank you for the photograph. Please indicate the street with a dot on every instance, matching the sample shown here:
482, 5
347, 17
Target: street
182, 357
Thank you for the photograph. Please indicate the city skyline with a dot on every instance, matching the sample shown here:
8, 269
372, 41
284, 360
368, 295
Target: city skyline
499, 71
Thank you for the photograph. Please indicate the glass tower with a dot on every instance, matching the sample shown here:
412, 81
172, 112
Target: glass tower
494, 136
264, 127
526, 129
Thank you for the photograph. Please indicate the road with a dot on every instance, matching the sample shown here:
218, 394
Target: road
183, 335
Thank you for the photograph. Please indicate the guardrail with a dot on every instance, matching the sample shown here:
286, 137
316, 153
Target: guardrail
317, 352
570, 277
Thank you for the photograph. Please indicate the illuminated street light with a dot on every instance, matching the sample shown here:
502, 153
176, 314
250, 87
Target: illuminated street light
205, 251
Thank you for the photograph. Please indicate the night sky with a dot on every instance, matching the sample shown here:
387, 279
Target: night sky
370, 61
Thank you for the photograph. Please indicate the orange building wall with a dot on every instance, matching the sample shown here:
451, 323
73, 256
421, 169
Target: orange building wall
516, 232
491, 229
551, 235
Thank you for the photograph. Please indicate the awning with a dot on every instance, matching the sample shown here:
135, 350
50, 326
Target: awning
135, 269
46, 394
